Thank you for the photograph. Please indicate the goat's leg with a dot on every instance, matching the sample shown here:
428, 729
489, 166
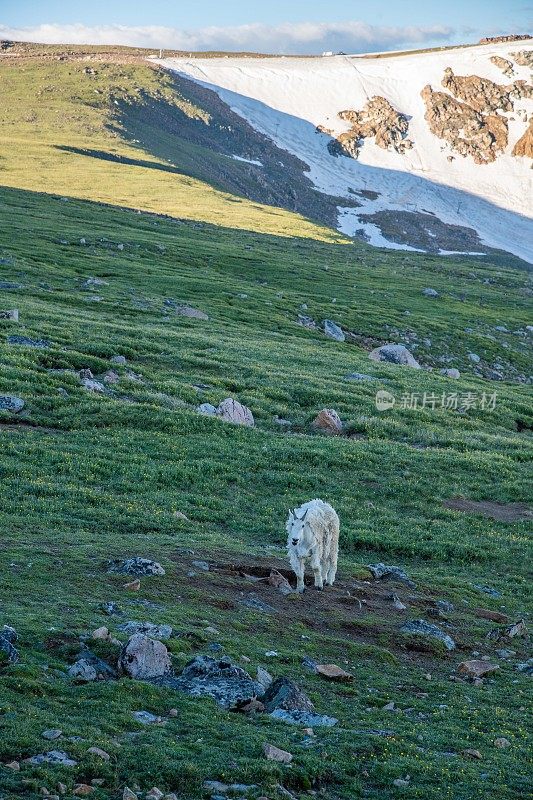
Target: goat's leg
300, 570
319, 578
330, 574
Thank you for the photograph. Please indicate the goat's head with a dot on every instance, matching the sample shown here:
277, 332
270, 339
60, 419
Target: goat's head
295, 529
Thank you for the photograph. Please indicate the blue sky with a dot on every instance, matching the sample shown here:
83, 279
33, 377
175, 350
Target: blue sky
273, 26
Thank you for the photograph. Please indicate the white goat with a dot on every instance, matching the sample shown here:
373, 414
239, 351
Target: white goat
313, 534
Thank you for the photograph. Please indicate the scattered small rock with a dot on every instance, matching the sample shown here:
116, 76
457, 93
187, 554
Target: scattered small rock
450, 373
333, 673
120, 361
279, 582
517, 629
501, 742
99, 753
133, 586
53, 733
203, 565
398, 605
147, 718
83, 790
428, 292
274, 753
471, 753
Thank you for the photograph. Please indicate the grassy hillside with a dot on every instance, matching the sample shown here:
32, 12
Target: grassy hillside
90, 477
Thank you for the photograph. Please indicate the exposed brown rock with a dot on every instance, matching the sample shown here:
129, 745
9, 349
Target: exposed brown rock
481, 94
378, 119
476, 668
514, 37
333, 673
524, 58
328, 421
469, 132
524, 146
274, 753
503, 64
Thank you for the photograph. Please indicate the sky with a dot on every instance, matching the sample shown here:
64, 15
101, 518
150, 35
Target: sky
276, 26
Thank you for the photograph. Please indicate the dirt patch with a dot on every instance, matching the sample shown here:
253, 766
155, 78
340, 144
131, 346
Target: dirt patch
24, 425
501, 512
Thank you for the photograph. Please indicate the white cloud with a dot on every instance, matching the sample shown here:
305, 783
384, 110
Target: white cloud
297, 38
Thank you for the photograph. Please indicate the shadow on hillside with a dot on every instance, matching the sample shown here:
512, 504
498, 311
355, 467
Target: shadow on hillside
118, 159
425, 214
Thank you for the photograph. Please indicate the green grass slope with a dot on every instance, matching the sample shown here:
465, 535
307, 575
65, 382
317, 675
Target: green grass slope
85, 478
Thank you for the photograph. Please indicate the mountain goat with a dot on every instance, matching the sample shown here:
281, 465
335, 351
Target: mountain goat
313, 534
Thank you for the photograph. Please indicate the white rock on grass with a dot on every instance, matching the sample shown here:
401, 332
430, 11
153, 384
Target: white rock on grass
143, 657
333, 330
395, 354
231, 410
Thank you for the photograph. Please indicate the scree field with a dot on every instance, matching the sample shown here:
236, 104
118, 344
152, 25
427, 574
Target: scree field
98, 253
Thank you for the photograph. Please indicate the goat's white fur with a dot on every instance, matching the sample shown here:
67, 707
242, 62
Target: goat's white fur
313, 535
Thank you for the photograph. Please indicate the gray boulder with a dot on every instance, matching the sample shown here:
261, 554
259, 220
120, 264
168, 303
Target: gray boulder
207, 409
231, 410
118, 360
285, 694
395, 354
380, 571
333, 330
11, 314
146, 628
25, 341
450, 373
307, 719
9, 652
430, 292
427, 630
11, 403
55, 757
82, 671
228, 684
137, 566
144, 658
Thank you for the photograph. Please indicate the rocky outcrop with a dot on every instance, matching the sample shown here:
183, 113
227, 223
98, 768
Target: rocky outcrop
524, 58
481, 94
469, 132
503, 64
379, 120
524, 146
516, 37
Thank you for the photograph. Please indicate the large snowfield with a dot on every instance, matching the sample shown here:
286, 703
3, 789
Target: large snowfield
286, 98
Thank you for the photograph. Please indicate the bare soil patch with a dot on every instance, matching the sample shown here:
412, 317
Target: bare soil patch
501, 512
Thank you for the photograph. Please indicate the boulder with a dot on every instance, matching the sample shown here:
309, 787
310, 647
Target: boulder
120, 361
143, 658
333, 330
231, 410
207, 409
450, 373
147, 629
279, 582
328, 421
8, 652
476, 668
136, 566
26, 341
55, 757
428, 292
307, 719
228, 684
93, 386
192, 313
82, 671
395, 354
9, 402
421, 629
11, 314
333, 673
274, 753
286, 695
380, 571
